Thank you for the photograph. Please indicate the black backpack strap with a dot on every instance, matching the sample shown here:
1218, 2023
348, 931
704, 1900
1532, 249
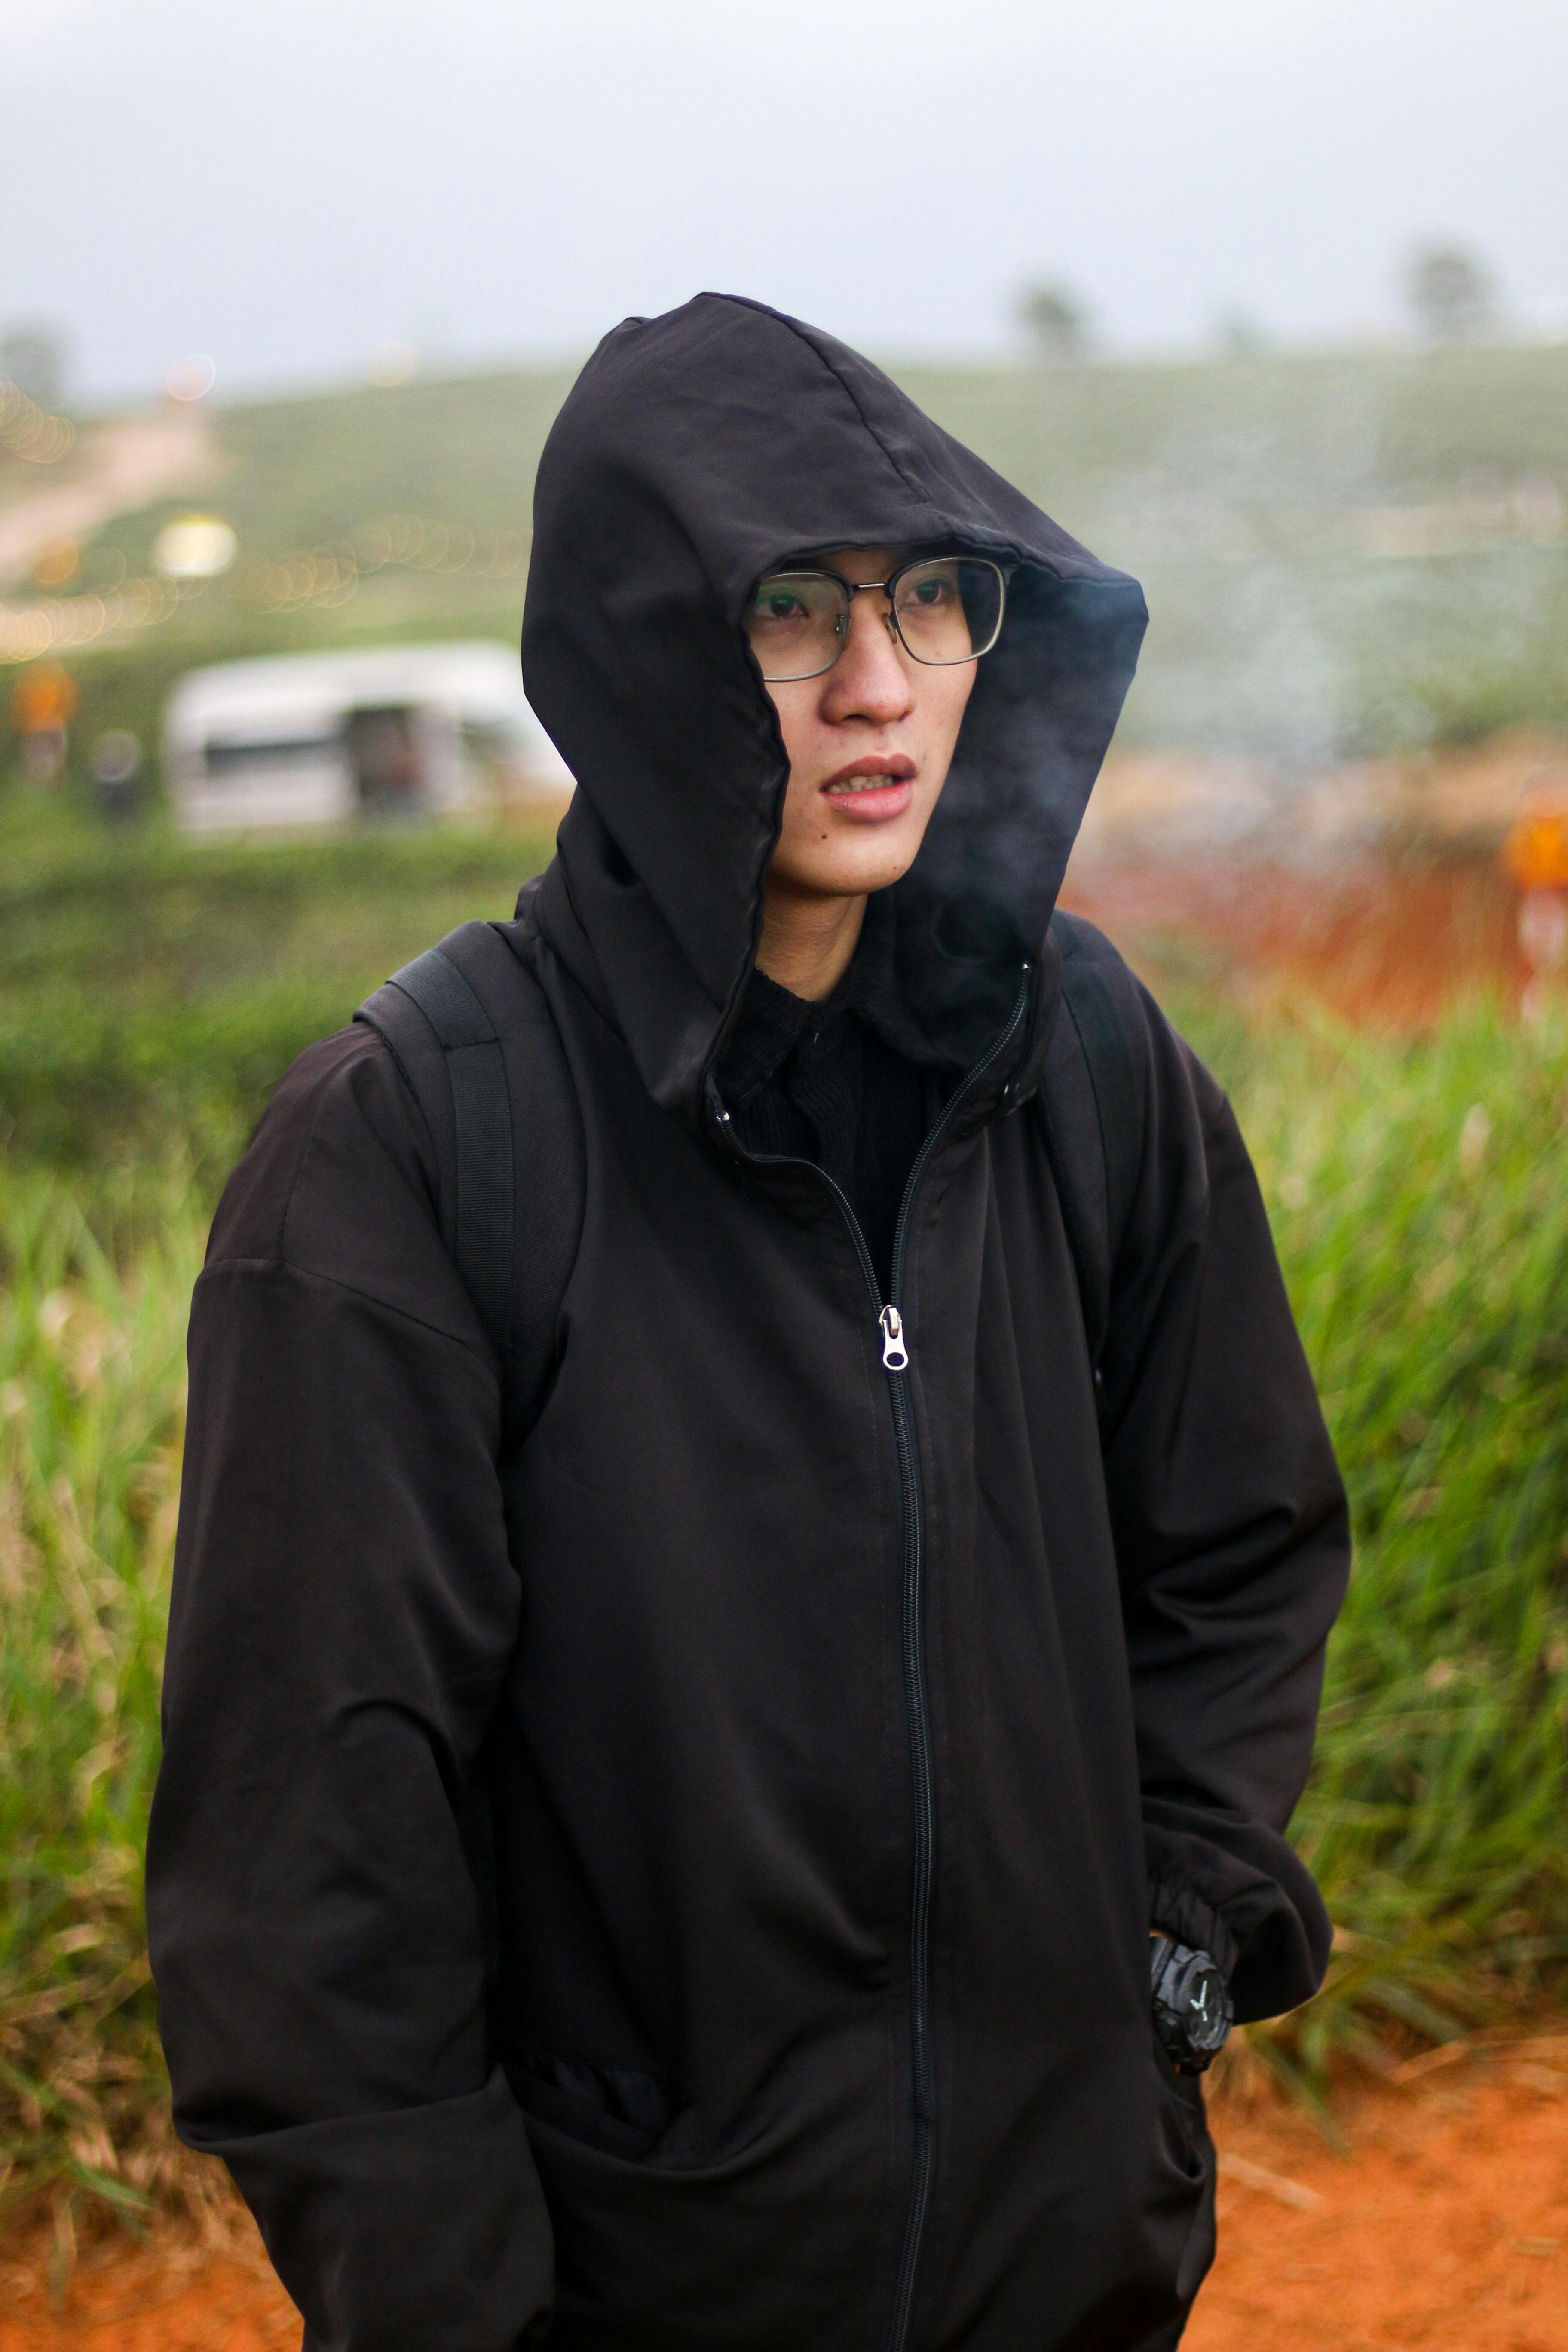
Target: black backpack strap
1091, 1103
433, 1012
470, 1030
483, 1218
1101, 1001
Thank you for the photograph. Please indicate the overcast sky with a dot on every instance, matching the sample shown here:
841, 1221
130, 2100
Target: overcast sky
287, 184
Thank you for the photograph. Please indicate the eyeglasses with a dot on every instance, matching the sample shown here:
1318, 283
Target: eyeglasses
945, 609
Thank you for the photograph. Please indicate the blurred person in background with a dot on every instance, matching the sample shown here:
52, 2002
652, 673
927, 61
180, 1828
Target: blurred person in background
1535, 858
117, 775
43, 704
756, 1541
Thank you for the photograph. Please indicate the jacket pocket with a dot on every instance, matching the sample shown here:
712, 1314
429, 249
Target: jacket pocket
1186, 2147
1184, 2092
621, 2109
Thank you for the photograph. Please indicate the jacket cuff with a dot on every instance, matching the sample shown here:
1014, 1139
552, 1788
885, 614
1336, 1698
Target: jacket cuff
403, 2229
1181, 1913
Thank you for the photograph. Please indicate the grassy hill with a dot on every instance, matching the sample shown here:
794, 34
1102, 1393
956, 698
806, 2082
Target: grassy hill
1344, 553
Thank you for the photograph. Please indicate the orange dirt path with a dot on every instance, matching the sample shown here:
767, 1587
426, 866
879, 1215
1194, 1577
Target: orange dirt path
1393, 942
1446, 2226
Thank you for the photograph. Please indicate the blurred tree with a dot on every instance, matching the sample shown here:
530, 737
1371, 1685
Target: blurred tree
1055, 322
1452, 293
33, 356
1238, 335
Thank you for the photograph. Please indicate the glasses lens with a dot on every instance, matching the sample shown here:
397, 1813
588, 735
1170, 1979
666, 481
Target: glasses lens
798, 623
949, 609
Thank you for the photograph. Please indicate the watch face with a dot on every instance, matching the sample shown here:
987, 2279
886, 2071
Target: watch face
1192, 2012
1205, 2011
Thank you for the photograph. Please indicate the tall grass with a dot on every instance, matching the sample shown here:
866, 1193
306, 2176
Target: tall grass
1421, 1201
91, 1410
1419, 1198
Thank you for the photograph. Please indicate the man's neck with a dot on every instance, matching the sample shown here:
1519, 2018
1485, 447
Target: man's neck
808, 943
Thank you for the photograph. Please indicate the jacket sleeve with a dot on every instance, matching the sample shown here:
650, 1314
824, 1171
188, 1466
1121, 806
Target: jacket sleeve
1232, 1536
343, 1612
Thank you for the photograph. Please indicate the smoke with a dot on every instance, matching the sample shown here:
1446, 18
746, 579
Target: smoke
1345, 556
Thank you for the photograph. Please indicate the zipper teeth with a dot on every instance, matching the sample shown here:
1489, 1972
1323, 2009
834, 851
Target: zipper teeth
917, 1708
920, 1741
908, 2260
912, 1529
918, 1704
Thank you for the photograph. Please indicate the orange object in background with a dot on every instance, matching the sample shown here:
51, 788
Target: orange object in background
1535, 853
43, 704
44, 701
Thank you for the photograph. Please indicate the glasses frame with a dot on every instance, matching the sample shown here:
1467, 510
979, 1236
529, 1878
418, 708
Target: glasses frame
853, 588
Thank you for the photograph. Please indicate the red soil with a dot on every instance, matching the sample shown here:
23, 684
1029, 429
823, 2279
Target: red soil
1445, 2225
1392, 942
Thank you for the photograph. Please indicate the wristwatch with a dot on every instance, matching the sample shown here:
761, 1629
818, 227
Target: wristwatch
1192, 2012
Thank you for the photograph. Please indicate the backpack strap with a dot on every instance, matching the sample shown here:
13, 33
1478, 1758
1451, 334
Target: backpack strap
470, 1032
444, 1016
1091, 1105
484, 1215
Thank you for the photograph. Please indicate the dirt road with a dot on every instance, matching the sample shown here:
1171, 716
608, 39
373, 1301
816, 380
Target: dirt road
1446, 2226
114, 469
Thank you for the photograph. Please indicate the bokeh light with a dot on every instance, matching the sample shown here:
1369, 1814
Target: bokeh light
56, 563
191, 378
194, 547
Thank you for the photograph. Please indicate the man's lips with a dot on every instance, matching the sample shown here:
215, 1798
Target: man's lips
878, 785
895, 765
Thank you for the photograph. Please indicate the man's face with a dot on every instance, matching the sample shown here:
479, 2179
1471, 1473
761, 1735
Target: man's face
869, 743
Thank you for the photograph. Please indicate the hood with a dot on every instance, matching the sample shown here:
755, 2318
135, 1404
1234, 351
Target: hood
696, 452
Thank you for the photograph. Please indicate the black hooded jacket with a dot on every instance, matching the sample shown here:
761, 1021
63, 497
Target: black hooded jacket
844, 1728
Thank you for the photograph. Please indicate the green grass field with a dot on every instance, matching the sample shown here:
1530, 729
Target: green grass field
148, 997
1343, 554
152, 986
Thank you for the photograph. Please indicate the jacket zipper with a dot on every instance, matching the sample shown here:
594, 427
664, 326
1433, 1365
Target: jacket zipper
917, 1698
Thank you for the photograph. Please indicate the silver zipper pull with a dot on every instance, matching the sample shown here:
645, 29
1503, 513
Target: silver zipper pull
895, 1355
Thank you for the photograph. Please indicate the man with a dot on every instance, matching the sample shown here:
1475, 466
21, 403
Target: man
820, 1625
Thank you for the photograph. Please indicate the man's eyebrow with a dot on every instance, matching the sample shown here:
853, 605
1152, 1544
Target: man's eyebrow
820, 559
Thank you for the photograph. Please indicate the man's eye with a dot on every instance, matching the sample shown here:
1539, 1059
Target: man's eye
781, 607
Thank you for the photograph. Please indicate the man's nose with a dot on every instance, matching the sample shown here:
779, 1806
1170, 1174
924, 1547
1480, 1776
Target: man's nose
870, 679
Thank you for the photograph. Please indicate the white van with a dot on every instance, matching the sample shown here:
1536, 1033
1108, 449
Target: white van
389, 730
